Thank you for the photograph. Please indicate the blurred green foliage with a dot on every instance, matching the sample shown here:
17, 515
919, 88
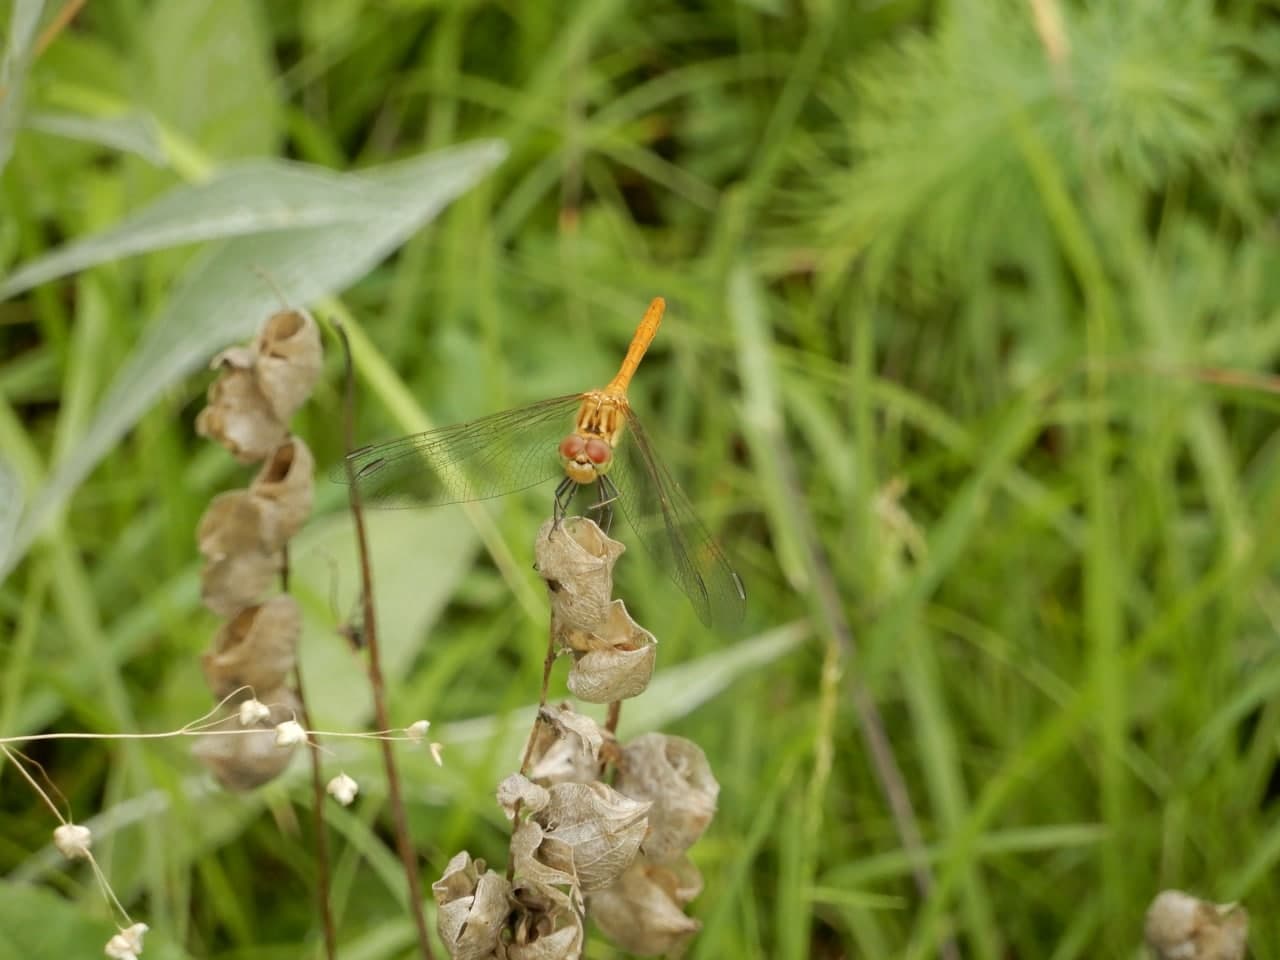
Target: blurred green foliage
975, 309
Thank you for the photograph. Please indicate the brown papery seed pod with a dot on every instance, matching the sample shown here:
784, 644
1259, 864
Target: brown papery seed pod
674, 774
576, 560
232, 523
289, 358
538, 858
600, 827
238, 414
257, 648
619, 662
283, 491
518, 794
249, 760
1182, 927
473, 906
547, 923
642, 912
234, 581
566, 747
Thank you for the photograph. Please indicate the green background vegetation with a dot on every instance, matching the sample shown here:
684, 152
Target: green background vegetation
975, 319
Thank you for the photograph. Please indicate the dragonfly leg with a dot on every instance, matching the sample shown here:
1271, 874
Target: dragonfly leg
564, 498
606, 496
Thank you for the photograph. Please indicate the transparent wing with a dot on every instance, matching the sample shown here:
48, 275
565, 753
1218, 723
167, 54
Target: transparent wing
476, 460
666, 523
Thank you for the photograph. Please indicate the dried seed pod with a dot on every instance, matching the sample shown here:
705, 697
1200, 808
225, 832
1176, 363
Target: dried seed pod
234, 581
283, 491
232, 523
613, 662
250, 759
1182, 927
674, 774
601, 829
238, 414
539, 858
257, 648
576, 560
473, 908
547, 924
289, 359
518, 793
642, 912
565, 748
566, 942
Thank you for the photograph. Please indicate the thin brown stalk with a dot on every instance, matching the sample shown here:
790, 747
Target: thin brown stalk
317, 823
404, 842
547, 664
317, 797
613, 716
61, 20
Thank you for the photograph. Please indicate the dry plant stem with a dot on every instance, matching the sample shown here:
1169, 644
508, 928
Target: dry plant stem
394, 796
547, 664
317, 797
59, 23
614, 715
528, 748
317, 824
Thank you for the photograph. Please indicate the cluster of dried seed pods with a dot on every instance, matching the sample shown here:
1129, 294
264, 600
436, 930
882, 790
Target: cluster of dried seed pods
617, 852
243, 535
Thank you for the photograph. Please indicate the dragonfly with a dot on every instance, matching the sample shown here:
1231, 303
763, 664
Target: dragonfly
585, 439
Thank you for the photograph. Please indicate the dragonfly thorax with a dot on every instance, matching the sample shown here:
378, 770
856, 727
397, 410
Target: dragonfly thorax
585, 458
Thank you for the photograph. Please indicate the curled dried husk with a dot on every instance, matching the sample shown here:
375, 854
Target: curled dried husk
517, 793
576, 560
589, 832
289, 359
233, 581
238, 414
565, 748
547, 923
673, 773
1182, 927
251, 759
613, 662
539, 858
474, 904
643, 912
232, 523
257, 648
283, 491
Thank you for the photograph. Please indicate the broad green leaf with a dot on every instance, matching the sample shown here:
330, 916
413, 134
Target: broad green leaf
13, 70
255, 197
207, 71
132, 132
222, 298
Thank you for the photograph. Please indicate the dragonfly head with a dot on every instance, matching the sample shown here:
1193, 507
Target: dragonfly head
585, 458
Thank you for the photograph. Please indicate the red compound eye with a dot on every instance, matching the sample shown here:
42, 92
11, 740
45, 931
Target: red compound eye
598, 452
571, 447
